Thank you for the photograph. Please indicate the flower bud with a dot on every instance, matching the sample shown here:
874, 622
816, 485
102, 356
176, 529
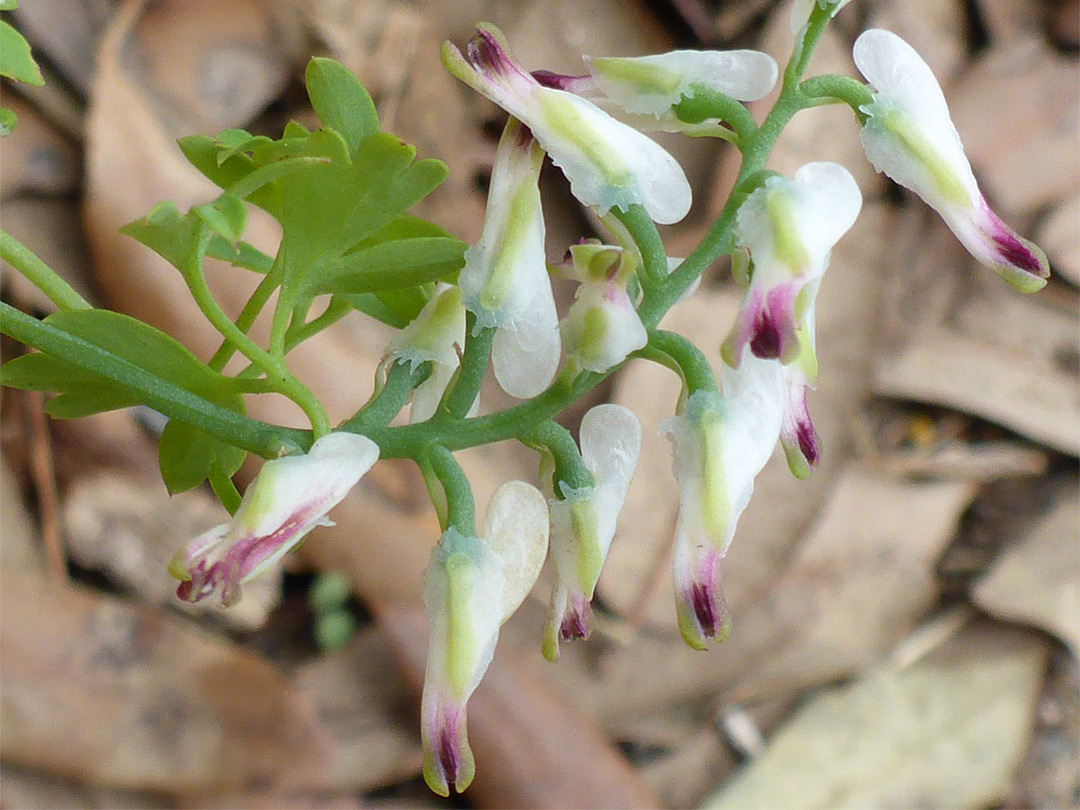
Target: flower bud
602, 327
720, 445
788, 227
435, 335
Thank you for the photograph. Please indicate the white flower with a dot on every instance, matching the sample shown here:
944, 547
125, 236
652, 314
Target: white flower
505, 280
609, 164
583, 520
789, 228
720, 444
434, 336
602, 327
289, 498
910, 137
473, 585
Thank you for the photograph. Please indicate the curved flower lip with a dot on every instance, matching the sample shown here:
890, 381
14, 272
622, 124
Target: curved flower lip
789, 228
505, 279
909, 136
652, 85
583, 521
289, 498
609, 164
471, 586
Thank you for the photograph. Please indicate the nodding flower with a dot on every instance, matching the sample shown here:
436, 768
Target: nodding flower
435, 335
471, 587
288, 499
608, 163
721, 443
788, 227
505, 280
583, 520
910, 136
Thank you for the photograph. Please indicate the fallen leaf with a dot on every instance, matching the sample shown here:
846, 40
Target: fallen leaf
1038, 88
1037, 580
118, 694
1059, 236
945, 733
362, 701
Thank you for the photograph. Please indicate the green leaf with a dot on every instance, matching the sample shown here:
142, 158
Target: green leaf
372, 306
9, 5
16, 62
226, 216
340, 101
391, 265
201, 152
329, 209
128, 339
7, 121
240, 255
187, 456
167, 232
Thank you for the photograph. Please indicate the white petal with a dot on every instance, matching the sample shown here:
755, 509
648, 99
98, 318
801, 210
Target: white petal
609, 165
610, 444
306, 486
906, 86
653, 84
516, 529
829, 202
525, 357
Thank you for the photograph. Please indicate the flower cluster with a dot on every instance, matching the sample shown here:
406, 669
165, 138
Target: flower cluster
722, 433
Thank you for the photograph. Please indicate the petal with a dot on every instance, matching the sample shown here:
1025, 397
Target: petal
525, 356
435, 332
516, 530
602, 327
609, 164
296, 491
505, 274
798, 436
993, 243
653, 84
610, 445
428, 395
699, 595
800, 13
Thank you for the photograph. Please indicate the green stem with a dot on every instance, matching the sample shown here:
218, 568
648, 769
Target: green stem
843, 89
474, 361
298, 333
653, 255
274, 368
460, 508
693, 365
27, 264
706, 104
570, 469
268, 441
388, 401
248, 315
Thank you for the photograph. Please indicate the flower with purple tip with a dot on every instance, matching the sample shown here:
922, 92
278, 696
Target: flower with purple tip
471, 587
609, 164
583, 520
288, 499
